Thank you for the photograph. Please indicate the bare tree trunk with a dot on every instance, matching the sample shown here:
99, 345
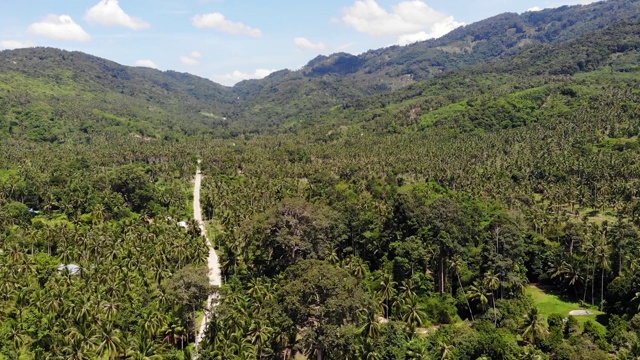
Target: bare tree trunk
584, 296
442, 275
495, 313
571, 247
593, 281
465, 296
619, 263
602, 288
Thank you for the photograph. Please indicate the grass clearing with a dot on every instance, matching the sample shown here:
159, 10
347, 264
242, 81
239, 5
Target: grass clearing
549, 303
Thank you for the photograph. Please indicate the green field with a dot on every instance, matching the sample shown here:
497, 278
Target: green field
548, 303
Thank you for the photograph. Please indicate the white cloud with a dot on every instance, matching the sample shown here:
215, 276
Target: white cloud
409, 20
13, 44
306, 44
188, 61
109, 13
412, 38
146, 63
217, 21
237, 76
191, 59
59, 27
535, 8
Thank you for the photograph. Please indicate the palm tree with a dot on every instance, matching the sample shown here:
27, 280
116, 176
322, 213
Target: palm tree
492, 282
77, 349
143, 348
17, 338
456, 264
259, 335
333, 257
479, 292
359, 269
386, 291
418, 351
568, 273
371, 328
445, 350
241, 347
256, 288
531, 354
414, 314
534, 327
108, 341
99, 213
152, 322
603, 252
110, 309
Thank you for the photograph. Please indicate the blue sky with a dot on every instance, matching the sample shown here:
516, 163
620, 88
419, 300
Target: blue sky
231, 40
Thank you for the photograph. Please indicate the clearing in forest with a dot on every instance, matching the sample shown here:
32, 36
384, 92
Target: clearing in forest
549, 303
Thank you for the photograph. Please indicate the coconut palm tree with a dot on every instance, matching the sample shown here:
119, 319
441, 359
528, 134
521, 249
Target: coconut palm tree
418, 350
445, 350
259, 335
386, 290
603, 253
108, 341
492, 282
456, 264
478, 291
534, 327
414, 314
371, 328
143, 348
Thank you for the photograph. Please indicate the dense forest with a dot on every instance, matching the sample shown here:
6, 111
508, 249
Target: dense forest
484, 207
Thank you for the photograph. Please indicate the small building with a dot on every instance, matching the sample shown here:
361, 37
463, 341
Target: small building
73, 269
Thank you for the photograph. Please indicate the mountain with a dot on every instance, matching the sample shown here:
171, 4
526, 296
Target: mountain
330, 80
509, 92
48, 94
54, 95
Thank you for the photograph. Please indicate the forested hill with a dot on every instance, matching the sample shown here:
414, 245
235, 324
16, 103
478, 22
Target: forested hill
504, 93
486, 208
330, 80
79, 94
54, 95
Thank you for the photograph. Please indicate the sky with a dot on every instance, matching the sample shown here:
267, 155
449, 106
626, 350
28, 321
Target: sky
228, 41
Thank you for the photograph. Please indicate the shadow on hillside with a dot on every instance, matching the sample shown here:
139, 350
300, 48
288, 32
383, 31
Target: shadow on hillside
566, 295
603, 319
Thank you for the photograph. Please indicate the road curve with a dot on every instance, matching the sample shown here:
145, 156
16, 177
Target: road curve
213, 264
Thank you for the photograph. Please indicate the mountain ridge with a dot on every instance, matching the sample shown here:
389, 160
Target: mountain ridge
158, 103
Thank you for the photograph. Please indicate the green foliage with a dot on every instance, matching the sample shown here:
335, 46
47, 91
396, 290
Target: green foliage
294, 229
356, 216
441, 309
320, 299
188, 287
598, 334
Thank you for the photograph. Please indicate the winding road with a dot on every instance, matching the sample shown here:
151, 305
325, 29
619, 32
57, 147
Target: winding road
214, 266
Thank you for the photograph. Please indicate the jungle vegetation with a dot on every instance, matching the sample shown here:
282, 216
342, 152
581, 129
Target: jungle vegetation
432, 219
